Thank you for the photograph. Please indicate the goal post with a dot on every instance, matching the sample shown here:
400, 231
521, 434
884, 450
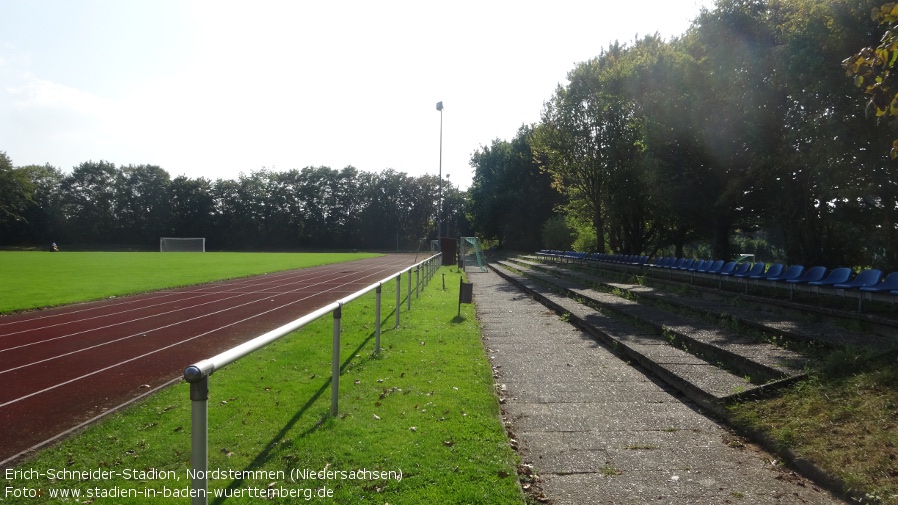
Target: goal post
471, 246
181, 244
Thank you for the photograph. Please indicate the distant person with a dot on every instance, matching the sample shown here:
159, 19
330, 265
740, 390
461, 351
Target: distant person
54, 247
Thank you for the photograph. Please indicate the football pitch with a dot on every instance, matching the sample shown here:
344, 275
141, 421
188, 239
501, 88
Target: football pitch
33, 279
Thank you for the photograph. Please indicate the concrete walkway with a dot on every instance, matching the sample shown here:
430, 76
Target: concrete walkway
598, 430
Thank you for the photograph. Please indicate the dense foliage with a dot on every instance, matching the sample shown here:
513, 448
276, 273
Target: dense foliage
744, 125
317, 207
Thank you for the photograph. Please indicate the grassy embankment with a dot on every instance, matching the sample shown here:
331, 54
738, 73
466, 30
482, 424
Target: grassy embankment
425, 406
843, 418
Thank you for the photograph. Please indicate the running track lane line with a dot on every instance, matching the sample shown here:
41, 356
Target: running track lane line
41, 432
158, 314
200, 291
83, 376
127, 300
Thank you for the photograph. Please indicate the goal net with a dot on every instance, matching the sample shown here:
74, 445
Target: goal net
178, 244
470, 246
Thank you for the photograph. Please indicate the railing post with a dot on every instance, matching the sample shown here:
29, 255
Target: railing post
335, 362
409, 289
398, 298
417, 280
377, 321
199, 440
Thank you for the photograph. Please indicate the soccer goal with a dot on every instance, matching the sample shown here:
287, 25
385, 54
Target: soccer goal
470, 246
179, 244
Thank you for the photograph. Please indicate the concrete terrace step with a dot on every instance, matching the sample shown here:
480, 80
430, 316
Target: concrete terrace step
705, 383
775, 323
761, 361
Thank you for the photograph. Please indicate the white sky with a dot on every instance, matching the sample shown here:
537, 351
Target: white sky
215, 88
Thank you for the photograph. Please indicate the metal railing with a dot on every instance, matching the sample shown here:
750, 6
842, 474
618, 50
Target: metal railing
198, 374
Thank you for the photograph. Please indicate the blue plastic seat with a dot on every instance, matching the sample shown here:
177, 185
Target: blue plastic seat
752, 269
865, 278
813, 274
686, 264
741, 269
890, 283
711, 268
756, 269
727, 269
772, 271
837, 276
698, 265
792, 272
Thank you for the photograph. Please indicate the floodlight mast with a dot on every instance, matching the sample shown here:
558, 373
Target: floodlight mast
440, 208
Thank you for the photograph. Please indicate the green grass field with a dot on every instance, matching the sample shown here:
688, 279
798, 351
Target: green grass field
423, 412
31, 280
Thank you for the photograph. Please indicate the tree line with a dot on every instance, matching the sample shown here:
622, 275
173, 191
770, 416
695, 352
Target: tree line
745, 126
767, 125
100, 204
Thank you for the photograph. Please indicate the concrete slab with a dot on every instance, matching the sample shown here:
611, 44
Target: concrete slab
599, 430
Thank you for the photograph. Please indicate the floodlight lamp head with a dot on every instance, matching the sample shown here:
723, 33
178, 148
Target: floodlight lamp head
439, 106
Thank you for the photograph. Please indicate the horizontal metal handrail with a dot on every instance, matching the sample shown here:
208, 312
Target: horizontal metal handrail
198, 373
207, 366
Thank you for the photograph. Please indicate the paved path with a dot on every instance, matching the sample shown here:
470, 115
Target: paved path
598, 430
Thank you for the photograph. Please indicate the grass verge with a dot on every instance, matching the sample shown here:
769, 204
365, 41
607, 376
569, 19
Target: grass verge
842, 419
423, 414
40, 279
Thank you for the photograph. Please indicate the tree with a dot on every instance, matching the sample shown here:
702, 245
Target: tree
874, 201
383, 222
591, 141
873, 68
143, 203
43, 218
89, 202
511, 197
423, 196
15, 195
192, 209
571, 141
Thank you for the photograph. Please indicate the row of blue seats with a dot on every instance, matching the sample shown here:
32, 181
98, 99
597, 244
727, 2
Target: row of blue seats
867, 281
628, 259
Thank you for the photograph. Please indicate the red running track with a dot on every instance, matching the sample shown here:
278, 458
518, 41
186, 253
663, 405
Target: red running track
62, 367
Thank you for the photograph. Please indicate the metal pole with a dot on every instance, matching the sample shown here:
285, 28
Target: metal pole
377, 321
417, 280
440, 209
199, 425
409, 289
398, 298
335, 361
424, 271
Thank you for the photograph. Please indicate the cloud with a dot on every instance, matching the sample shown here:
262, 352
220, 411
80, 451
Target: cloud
55, 110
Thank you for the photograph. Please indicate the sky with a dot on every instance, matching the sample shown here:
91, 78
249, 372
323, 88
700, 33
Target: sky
221, 88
